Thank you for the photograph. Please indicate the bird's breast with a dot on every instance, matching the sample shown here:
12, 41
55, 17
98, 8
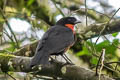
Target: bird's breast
70, 26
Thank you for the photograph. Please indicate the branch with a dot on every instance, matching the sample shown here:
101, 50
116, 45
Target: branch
9, 27
94, 30
55, 69
27, 50
91, 13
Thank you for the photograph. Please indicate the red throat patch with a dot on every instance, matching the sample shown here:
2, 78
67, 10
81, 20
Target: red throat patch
71, 26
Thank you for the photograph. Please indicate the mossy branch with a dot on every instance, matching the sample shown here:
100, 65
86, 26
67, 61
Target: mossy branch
55, 69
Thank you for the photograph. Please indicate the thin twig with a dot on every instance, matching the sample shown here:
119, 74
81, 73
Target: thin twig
10, 76
109, 41
58, 8
116, 66
12, 12
87, 25
10, 37
106, 25
86, 12
5, 1
102, 62
90, 9
112, 62
91, 49
6, 21
110, 69
99, 62
107, 63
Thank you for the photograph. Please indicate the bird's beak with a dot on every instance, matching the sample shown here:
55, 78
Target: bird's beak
76, 22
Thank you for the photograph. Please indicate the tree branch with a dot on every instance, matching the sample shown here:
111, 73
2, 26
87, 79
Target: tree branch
91, 13
55, 69
94, 30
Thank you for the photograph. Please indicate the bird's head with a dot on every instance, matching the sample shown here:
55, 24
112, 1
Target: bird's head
67, 20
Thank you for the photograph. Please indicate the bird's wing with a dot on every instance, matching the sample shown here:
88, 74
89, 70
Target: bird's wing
56, 39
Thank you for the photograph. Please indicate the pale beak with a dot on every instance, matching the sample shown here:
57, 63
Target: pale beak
76, 22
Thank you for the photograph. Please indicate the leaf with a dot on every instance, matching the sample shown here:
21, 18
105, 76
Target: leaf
115, 34
110, 48
30, 2
83, 52
94, 60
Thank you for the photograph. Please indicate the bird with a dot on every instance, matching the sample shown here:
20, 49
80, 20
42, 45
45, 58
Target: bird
55, 41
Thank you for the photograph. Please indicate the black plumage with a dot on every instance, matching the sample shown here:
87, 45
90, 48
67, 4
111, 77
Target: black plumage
54, 41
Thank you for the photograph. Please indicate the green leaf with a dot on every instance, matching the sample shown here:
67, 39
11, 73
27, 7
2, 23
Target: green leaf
30, 2
83, 52
115, 34
108, 46
12, 47
94, 60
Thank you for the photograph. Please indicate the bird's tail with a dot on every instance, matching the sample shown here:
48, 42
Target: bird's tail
39, 58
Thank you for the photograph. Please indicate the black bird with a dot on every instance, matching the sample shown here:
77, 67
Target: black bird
56, 41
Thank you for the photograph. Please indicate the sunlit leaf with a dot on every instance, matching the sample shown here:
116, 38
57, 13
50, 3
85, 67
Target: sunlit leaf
109, 47
94, 60
83, 52
30, 2
115, 34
